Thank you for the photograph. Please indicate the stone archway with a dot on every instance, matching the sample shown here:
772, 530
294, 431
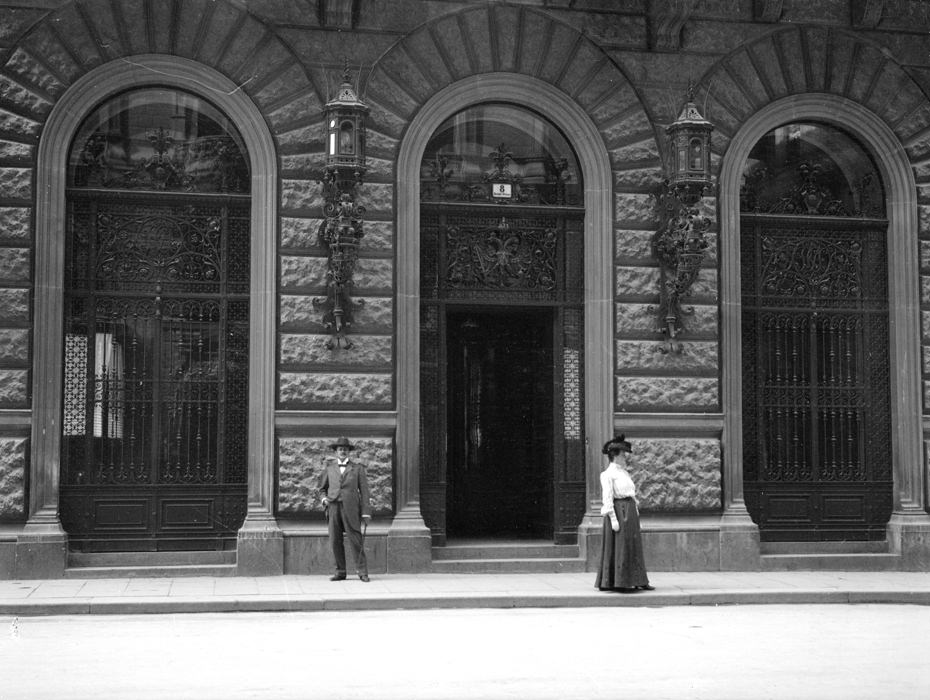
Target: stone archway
875, 134
43, 526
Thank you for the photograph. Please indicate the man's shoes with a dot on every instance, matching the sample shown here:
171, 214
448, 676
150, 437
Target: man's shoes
364, 577
337, 577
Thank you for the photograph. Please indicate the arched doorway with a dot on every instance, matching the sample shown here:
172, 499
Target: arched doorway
816, 399
502, 327
156, 326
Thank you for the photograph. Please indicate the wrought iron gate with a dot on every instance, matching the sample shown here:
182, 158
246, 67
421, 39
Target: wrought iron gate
816, 403
479, 257
156, 370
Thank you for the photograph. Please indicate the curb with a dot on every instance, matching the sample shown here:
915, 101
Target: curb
290, 603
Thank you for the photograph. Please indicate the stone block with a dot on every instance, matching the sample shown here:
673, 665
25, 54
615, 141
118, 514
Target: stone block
643, 153
302, 166
638, 179
14, 151
634, 246
302, 195
367, 351
634, 209
15, 183
280, 86
16, 125
677, 474
300, 234
14, 305
376, 197
382, 118
309, 553
637, 282
14, 346
681, 550
924, 289
696, 357
14, 386
374, 274
301, 461
303, 272
380, 145
667, 393
260, 552
376, 315
42, 42
15, 224
639, 319
719, 38
329, 390
12, 478
308, 137
25, 100
769, 62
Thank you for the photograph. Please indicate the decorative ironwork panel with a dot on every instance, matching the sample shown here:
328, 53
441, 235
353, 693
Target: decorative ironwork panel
137, 244
501, 258
156, 368
815, 379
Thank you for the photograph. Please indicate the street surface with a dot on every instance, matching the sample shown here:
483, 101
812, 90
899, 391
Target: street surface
747, 652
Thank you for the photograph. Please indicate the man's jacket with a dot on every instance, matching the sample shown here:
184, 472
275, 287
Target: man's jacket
351, 488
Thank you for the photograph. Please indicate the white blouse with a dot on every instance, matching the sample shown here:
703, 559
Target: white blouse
615, 483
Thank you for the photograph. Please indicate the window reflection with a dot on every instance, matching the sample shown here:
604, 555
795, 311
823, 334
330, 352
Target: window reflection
158, 139
811, 169
483, 147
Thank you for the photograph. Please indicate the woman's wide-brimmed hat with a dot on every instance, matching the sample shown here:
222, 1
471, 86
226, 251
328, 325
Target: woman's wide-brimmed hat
617, 444
342, 442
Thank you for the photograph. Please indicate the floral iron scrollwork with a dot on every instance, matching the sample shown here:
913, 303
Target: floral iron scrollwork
679, 246
340, 234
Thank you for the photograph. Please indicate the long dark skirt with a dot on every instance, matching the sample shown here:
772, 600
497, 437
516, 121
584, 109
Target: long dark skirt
622, 563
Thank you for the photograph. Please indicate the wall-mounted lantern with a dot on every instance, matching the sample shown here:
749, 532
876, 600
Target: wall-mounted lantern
679, 243
341, 229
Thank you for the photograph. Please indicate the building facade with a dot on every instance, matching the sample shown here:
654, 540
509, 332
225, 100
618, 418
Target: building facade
232, 231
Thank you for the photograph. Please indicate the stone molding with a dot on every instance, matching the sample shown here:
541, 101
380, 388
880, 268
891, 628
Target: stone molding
63, 121
885, 147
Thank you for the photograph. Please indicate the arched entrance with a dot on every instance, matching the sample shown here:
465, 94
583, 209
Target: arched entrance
85, 94
816, 400
153, 450
502, 289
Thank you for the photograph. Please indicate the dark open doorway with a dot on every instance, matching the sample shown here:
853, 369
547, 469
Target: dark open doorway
500, 419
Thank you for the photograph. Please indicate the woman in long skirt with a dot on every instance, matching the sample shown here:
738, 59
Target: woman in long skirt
622, 565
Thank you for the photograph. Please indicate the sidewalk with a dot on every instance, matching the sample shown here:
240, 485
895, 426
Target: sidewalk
424, 591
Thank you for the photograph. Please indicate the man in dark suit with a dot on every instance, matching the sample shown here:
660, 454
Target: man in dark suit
344, 488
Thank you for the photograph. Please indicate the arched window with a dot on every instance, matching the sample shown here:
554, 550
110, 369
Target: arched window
153, 451
815, 337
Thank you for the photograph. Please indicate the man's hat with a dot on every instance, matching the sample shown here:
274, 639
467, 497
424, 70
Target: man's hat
342, 442
618, 444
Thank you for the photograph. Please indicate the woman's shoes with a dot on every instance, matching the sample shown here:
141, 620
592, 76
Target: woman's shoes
647, 587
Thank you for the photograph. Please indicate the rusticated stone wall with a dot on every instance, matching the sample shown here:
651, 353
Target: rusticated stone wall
677, 474
301, 461
12, 479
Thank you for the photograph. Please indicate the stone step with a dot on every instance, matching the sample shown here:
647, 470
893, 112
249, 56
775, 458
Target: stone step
505, 551
150, 564
172, 571
846, 547
830, 562
507, 566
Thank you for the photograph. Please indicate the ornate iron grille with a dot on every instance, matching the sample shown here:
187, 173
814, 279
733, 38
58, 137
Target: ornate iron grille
816, 414
156, 363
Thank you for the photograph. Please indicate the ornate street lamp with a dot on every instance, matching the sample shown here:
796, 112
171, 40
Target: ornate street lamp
679, 243
341, 229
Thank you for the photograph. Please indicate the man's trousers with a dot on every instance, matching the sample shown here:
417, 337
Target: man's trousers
338, 527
